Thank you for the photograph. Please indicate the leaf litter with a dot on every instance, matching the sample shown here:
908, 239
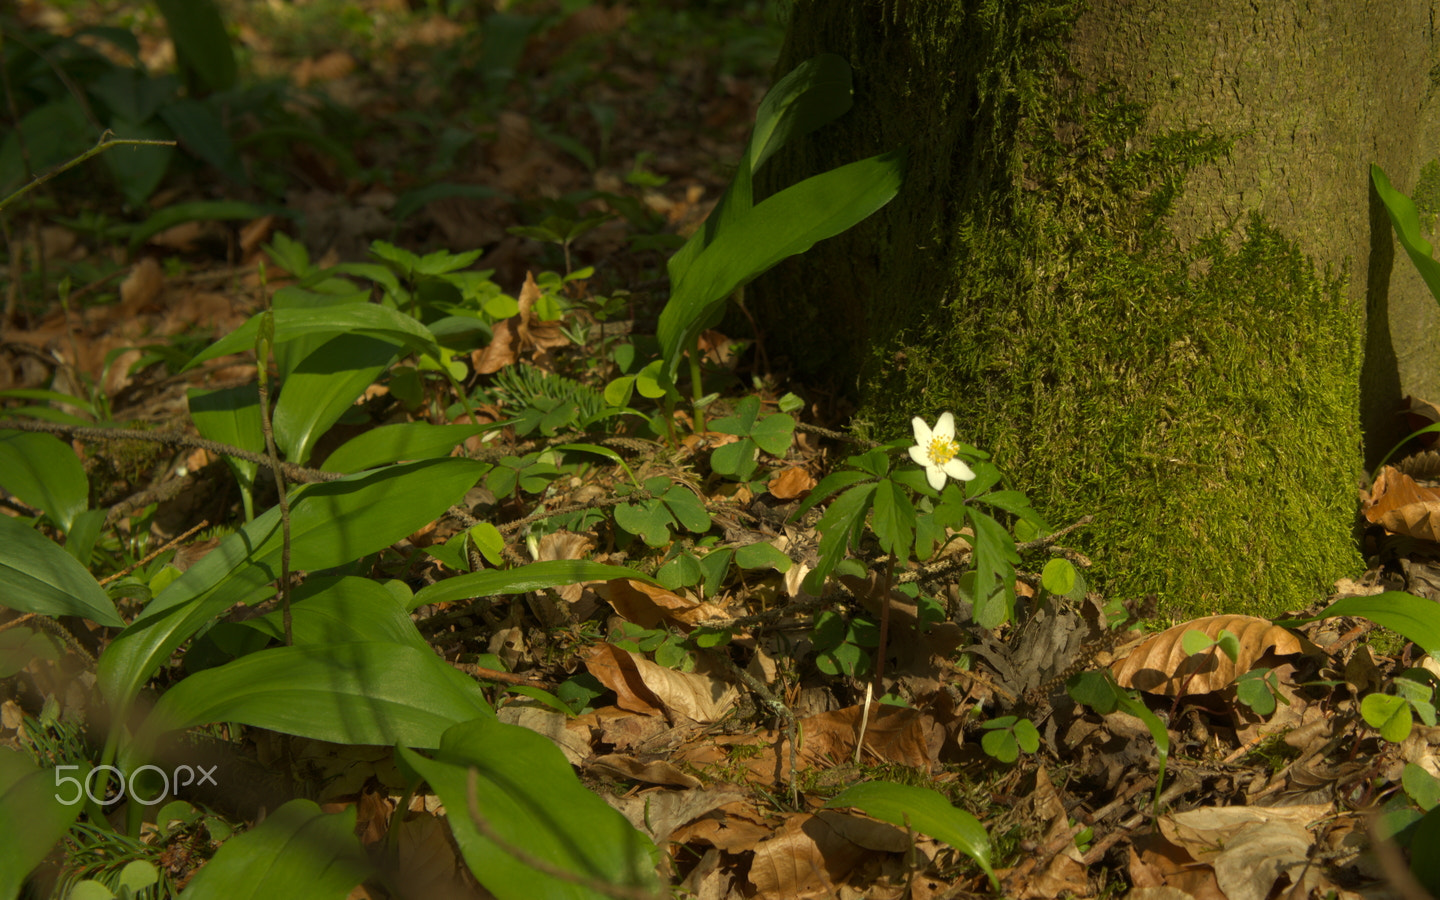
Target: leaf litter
1254, 805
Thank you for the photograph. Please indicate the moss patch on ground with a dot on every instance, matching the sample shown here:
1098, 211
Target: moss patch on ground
1201, 400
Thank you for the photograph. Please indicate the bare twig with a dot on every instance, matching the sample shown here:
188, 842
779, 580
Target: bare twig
107, 140
171, 438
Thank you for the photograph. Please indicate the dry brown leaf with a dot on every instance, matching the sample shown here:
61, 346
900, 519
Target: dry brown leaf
791, 483
1160, 665
660, 813
1250, 847
1417, 520
426, 863
573, 742
804, 858
648, 605
142, 286
519, 333
656, 771
1394, 490
642, 686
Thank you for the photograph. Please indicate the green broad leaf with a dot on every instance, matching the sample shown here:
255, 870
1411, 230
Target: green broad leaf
743, 420
1387, 714
198, 211
1193, 642
1421, 786
369, 692
298, 851
33, 814
541, 696
392, 443
650, 520
1251, 690
339, 610
1027, 735
54, 133
1001, 744
1406, 219
735, 460
534, 577
894, 519
201, 42
332, 523
839, 528
762, 556
715, 564
816, 92
231, 416
323, 386
774, 433
995, 559
201, 129
781, 226
923, 810
1414, 618
688, 509
1059, 577
1425, 865
681, 572
531, 799
55, 397
138, 171
291, 324
835, 481
43, 472
37, 576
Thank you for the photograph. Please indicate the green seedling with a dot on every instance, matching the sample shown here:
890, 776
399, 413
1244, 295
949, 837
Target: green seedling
1007, 736
772, 433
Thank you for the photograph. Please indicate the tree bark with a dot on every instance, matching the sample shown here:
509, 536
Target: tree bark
1135, 252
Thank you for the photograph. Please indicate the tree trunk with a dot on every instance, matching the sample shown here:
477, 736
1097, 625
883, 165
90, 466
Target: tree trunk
1135, 253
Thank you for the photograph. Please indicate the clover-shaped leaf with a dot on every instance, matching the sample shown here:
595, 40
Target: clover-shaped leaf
670, 504
772, 434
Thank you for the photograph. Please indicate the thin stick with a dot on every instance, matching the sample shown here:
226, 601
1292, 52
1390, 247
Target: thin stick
107, 140
171, 438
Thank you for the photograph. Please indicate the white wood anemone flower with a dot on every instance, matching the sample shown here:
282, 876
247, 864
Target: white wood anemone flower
938, 452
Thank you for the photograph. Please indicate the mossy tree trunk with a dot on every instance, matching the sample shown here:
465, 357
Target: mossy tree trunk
1135, 253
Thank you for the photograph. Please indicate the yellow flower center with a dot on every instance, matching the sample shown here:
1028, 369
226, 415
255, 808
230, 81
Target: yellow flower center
942, 450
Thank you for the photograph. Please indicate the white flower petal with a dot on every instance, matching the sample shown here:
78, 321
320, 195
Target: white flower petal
957, 470
945, 427
922, 431
936, 476
919, 455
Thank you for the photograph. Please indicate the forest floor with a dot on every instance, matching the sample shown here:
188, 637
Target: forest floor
623, 124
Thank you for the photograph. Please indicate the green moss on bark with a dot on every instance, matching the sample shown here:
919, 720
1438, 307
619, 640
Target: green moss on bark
1200, 400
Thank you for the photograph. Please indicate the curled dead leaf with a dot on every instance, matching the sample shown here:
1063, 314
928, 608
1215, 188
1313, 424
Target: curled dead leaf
1160, 665
791, 483
649, 605
524, 331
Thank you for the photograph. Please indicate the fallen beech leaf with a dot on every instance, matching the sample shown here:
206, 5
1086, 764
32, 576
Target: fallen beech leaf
791, 483
1250, 847
656, 771
1160, 665
1417, 520
659, 813
522, 331
648, 605
1394, 490
643, 686
734, 826
804, 858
